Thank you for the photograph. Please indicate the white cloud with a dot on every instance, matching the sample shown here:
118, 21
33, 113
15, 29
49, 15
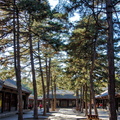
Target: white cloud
53, 3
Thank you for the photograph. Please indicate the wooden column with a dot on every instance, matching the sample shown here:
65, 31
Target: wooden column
3, 102
27, 100
67, 103
10, 102
16, 101
60, 103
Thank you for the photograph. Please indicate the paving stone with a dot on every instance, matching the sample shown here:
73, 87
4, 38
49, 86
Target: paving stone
59, 114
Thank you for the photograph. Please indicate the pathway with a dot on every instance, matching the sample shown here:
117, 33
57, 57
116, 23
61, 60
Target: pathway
61, 114
66, 114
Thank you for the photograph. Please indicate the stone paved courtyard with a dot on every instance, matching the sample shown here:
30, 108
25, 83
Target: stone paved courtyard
60, 114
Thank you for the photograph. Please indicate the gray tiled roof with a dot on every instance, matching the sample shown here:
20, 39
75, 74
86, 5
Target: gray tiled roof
31, 96
64, 94
60, 94
103, 94
11, 83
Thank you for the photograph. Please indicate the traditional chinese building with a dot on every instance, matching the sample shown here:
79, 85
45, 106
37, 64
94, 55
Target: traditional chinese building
31, 101
9, 96
103, 99
64, 98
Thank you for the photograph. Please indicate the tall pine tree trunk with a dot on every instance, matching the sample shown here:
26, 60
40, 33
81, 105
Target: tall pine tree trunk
86, 107
33, 76
42, 78
52, 99
77, 99
17, 59
92, 93
90, 104
19, 87
80, 104
111, 69
55, 93
49, 79
47, 83
83, 89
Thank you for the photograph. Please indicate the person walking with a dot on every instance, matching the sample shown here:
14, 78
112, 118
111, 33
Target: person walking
40, 106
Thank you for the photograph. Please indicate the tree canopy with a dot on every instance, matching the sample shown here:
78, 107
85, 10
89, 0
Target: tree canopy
50, 47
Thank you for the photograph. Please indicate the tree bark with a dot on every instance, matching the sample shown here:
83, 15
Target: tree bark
90, 104
83, 89
52, 100
77, 98
17, 59
111, 69
47, 83
92, 93
33, 76
54, 94
19, 87
80, 104
42, 78
86, 107
49, 80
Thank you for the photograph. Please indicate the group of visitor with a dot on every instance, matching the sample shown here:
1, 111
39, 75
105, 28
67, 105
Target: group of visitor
30, 106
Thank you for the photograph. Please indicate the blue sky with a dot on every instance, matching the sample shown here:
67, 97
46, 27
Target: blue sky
53, 2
